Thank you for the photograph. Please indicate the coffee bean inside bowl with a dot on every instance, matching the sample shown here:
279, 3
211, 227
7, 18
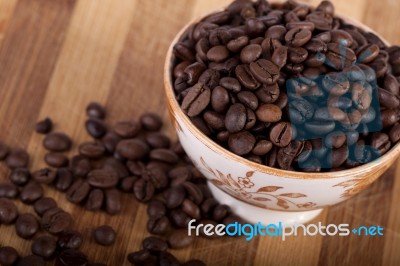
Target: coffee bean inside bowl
287, 74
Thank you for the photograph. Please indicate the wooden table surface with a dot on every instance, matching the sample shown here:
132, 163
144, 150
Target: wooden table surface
57, 55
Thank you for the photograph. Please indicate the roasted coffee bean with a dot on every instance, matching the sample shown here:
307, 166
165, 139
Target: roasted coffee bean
387, 99
17, 158
64, 179
8, 190
70, 240
269, 113
339, 58
156, 209
8, 256
241, 143
143, 190
179, 239
44, 126
286, 155
338, 156
335, 139
381, 142
26, 225
279, 57
142, 257
336, 84
154, 244
320, 127
95, 200
174, 196
95, 127
368, 53
132, 149
281, 134
268, 93
56, 159
102, 178
104, 235
164, 155
230, 84
44, 176
235, 118
249, 99
56, 221
110, 141
329, 114
159, 226
262, 147
71, 257
31, 192
92, 150
214, 120
265, 71
218, 54
250, 53
191, 209
194, 72
31, 260
127, 129
80, 166
196, 100
78, 191
116, 166
44, 246
246, 78
95, 110
20, 176
394, 133
8, 211
157, 140
179, 218
194, 192
297, 37
44, 204
297, 55
57, 142
220, 212
389, 117
113, 201
236, 45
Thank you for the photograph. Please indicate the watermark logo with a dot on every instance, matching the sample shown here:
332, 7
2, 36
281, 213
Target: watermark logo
280, 230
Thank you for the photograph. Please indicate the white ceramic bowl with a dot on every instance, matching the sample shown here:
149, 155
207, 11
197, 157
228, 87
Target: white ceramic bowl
259, 193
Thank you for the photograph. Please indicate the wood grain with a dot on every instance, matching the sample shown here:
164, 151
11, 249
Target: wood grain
56, 56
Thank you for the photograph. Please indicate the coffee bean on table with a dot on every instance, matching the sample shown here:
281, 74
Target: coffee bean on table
179, 239
57, 142
78, 191
31, 192
164, 155
142, 257
174, 196
156, 209
64, 179
56, 159
95, 127
159, 226
394, 134
154, 244
20, 176
95, 110
17, 158
26, 225
95, 200
102, 178
8, 190
104, 235
92, 150
31, 260
113, 201
44, 204
191, 209
110, 141
127, 183
151, 121
127, 129
70, 240
132, 149
8, 256
44, 126
8, 211
4, 150
71, 257
56, 221
44, 176
44, 246
179, 218
80, 166
143, 190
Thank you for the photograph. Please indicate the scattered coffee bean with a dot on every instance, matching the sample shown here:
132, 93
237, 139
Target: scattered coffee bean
56, 159
31, 192
154, 244
56, 221
20, 176
17, 158
44, 246
8, 211
70, 240
95, 127
44, 204
57, 142
151, 122
9, 191
26, 225
44, 176
44, 126
71, 257
179, 239
95, 110
104, 235
8, 256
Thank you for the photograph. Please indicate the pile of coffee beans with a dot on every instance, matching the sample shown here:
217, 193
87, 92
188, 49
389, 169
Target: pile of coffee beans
289, 86
127, 157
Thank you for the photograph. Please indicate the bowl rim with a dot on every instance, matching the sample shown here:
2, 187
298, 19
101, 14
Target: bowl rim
175, 110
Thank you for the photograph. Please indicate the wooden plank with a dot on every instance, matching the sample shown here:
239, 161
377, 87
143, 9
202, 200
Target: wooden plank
6, 11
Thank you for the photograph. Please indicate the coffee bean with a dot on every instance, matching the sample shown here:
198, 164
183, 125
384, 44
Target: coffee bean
297, 37
31, 192
95, 127
387, 99
394, 133
70, 240
191, 209
320, 128
44, 204
64, 179
44, 126
26, 225
113, 201
241, 143
104, 235
381, 142
246, 78
279, 57
174, 196
9, 191
179, 218
389, 117
218, 54
268, 93
265, 71
339, 156
196, 100
17, 158
95, 200
250, 53
56, 221
56, 159
143, 190
339, 58
44, 246
71, 257
142, 257
194, 192
230, 84
151, 121
164, 155
127, 129
269, 113
44, 176
102, 178
179, 239
96, 110
281, 134
194, 72
92, 150
159, 226
78, 191
80, 166
57, 142
157, 140
31, 260
154, 244
8, 211
110, 141
20, 176
249, 99
336, 84
8, 256
235, 118
262, 147
132, 149
156, 209
236, 45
